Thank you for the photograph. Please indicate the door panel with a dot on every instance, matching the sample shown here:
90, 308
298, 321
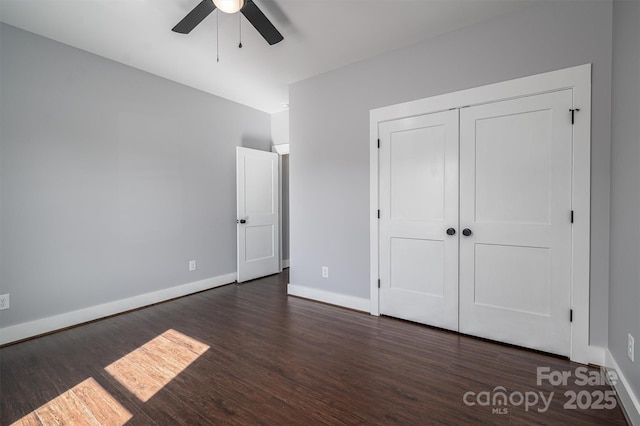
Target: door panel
513, 278
417, 167
258, 242
515, 197
418, 266
505, 189
257, 207
418, 202
259, 191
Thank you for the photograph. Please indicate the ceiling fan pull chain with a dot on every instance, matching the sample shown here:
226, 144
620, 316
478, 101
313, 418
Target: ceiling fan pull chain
240, 29
217, 38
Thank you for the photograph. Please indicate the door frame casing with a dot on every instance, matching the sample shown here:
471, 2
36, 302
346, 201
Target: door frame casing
281, 150
579, 80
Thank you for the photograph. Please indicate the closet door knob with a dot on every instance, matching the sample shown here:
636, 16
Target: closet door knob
451, 231
466, 232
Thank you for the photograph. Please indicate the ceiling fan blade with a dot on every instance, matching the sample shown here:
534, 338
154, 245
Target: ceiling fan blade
194, 17
261, 23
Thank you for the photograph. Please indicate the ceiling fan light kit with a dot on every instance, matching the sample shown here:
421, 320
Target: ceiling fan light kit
229, 6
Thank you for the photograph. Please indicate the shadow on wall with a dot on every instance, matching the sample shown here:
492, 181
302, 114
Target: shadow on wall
255, 142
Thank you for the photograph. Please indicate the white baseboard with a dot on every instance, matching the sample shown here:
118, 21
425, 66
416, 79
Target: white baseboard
595, 355
351, 302
25, 330
629, 400
285, 263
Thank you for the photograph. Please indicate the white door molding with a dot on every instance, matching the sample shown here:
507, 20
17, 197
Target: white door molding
579, 80
280, 149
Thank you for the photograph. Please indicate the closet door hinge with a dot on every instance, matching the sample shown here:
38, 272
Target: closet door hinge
378, 282
378, 143
573, 113
570, 315
378, 214
571, 216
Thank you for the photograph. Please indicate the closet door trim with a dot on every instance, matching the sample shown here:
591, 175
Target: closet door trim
579, 80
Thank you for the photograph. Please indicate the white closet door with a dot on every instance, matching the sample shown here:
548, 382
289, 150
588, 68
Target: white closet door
515, 198
418, 203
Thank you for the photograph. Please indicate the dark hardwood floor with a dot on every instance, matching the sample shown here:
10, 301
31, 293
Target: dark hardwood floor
279, 360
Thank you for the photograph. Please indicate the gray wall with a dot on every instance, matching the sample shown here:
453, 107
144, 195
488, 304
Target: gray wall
624, 308
280, 127
112, 179
330, 126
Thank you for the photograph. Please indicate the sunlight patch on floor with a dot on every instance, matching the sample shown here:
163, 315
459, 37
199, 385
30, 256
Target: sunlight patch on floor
85, 404
143, 372
149, 368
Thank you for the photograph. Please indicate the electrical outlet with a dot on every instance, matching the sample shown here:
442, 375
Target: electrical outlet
192, 265
4, 302
630, 346
325, 272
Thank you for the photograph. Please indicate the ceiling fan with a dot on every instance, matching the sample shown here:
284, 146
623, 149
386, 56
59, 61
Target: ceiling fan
248, 8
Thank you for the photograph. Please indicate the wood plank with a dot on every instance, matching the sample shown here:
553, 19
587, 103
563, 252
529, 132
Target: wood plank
180, 354
183, 340
102, 405
155, 369
132, 378
66, 409
29, 420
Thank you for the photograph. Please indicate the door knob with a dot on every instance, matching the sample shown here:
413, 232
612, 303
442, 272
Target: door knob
242, 221
466, 232
451, 231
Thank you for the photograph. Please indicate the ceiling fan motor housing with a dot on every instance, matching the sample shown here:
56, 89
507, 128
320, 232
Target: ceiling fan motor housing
229, 6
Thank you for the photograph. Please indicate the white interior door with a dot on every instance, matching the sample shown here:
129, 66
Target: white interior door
418, 203
515, 198
257, 207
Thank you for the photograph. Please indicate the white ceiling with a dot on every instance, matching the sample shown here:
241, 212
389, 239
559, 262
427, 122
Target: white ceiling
319, 35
